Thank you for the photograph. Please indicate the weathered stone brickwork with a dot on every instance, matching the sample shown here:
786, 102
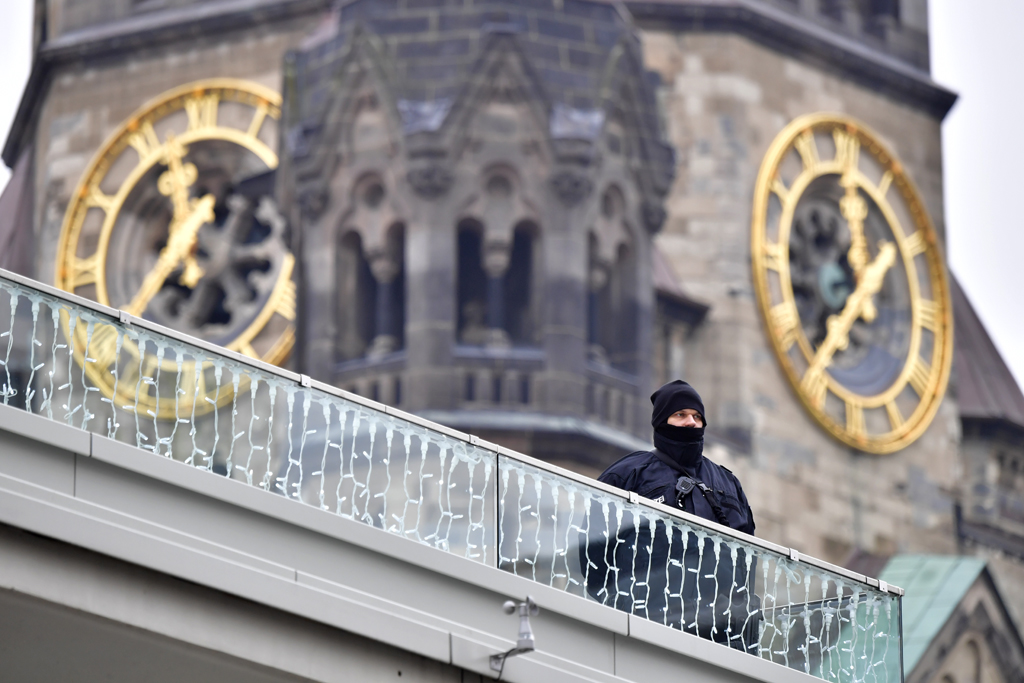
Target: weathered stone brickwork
724, 100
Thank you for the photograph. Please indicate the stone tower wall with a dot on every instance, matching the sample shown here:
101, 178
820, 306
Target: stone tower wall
725, 99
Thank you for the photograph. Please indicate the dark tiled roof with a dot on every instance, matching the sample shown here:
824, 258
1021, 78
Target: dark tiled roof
665, 281
16, 217
985, 387
667, 287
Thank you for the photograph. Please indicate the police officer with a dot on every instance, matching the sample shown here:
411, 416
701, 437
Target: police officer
676, 471
673, 573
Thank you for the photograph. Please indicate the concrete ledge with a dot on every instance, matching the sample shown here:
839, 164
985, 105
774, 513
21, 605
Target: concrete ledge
326, 523
178, 521
711, 653
41, 429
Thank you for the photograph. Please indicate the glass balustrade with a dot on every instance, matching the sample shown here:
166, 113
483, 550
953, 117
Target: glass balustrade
101, 370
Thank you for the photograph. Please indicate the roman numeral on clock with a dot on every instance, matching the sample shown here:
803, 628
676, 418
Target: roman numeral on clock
202, 111
286, 302
808, 150
780, 189
847, 149
895, 416
773, 255
84, 271
815, 385
915, 244
145, 141
258, 117
928, 312
855, 420
920, 375
884, 183
785, 322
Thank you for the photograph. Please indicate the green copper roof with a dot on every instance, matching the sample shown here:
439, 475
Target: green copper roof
934, 586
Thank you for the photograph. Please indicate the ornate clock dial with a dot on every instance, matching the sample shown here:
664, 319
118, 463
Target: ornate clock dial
851, 283
170, 223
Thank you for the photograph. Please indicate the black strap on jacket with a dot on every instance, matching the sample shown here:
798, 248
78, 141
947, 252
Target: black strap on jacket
691, 483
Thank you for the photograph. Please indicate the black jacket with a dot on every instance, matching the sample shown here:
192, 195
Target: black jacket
644, 473
693, 580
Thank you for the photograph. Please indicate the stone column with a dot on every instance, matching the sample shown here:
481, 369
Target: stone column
385, 269
597, 281
496, 259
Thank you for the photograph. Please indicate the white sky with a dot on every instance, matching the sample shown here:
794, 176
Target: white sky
977, 50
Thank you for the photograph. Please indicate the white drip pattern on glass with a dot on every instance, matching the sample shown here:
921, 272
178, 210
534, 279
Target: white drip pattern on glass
402, 477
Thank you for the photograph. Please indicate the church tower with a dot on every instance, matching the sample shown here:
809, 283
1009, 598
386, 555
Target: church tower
520, 218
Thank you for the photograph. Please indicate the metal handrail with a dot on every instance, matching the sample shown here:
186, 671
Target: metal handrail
669, 515
304, 380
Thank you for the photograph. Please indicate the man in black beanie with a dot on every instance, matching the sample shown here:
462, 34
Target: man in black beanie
674, 573
676, 472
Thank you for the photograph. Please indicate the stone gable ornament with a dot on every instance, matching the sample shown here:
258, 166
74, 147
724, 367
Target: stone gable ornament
571, 187
431, 181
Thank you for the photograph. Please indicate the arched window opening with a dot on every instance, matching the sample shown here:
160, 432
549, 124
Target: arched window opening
612, 321
495, 284
371, 296
611, 309
472, 286
622, 333
356, 293
519, 286
597, 303
388, 267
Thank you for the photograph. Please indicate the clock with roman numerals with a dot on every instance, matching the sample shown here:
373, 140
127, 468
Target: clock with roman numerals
851, 283
174, 221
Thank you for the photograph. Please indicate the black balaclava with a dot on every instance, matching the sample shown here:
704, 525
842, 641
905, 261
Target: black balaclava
685, 445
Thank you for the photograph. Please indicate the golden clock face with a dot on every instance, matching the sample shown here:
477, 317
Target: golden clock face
851, 283
172, 222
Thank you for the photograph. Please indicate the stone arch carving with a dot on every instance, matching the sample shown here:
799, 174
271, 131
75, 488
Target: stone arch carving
503, 87
622, 299
496, 302
359, 101
471, 284
372, 209
370, 293
372, 215
355, 287
505, 235
631, 123
523, 281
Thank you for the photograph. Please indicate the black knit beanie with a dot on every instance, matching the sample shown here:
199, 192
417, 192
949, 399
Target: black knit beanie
673, 397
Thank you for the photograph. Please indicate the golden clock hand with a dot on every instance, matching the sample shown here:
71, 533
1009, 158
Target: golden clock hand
174, 183
858, 304
854, 210
179, 246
